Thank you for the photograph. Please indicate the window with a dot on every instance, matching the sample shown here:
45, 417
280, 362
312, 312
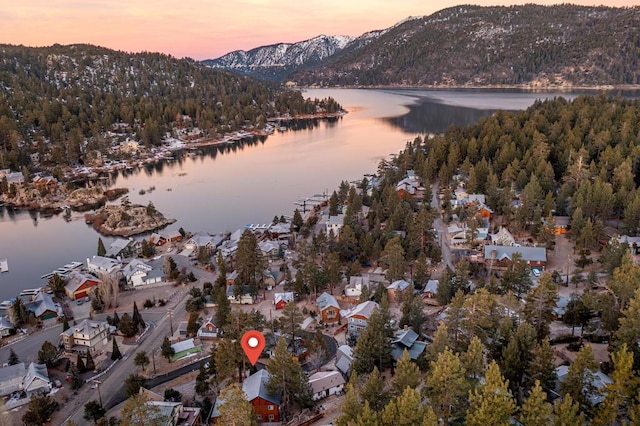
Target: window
271, 417
331, 313
259, 417
270, 407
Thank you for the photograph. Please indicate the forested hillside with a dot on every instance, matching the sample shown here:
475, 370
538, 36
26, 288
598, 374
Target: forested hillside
64, 101
473, 45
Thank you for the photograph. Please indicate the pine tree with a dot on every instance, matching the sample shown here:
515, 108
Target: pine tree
542, 367
567, 412
115, 351
193, 324
539, 304
13, 358
395, 257
407, 374
235, 409
89, 363
536, 410
446, 386
374, 391
287, 376
439, 344
223, 308
404, 410
351, 406
517, 355
620, 393
473, 360
579, 381
138, 322
491, 403
127, 326
374, 343
101, 250
167, 349
65, 324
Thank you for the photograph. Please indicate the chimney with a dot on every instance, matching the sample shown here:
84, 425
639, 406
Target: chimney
406, 327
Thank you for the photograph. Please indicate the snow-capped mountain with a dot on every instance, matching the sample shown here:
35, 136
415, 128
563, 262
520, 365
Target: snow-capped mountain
275, 61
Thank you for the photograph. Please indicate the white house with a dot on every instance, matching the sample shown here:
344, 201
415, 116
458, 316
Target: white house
325, 383
11, 378
355, 286
138, 273
36, 379
335, 224
101, 264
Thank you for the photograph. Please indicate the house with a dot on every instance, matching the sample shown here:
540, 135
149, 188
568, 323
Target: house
182, 329
407, 339
344, 358
358, 317
122, 248
265, 405
138, 273
6, 327
632, 242
280, 300
395, 289
245, 298
231, 278
500, 256
410, 186
334, 224
503, 238
562, 224
171, 413
43, 307
203, 239
329, 308
272, 278
88, 335
270, 249
12, 177
170, 237
11, 378
36, 379
431, 289
355, 286
42, 182
183, 348
280, 231
208, 330
598, 379
100, 264
325, 383
80, 285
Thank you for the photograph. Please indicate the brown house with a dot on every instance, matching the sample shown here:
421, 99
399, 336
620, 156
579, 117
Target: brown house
265, 405
80, 285
45, 182
329, 308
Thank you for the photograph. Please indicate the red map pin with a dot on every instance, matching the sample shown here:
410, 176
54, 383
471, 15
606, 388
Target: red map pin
252, 343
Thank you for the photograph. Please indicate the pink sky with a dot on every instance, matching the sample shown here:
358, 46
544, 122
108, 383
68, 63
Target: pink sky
204, 29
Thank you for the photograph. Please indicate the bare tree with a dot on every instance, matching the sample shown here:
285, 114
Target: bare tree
109, 288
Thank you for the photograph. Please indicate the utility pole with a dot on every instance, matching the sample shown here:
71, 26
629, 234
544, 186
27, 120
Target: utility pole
170, 312
153, 357
98, 383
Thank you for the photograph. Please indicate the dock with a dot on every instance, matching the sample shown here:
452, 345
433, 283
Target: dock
308, 203
4, 265
63, 271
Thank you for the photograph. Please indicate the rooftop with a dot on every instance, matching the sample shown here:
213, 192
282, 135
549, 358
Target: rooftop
255, 386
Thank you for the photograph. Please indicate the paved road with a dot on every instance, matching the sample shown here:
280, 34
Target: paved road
440, 227
27, 348
112, 383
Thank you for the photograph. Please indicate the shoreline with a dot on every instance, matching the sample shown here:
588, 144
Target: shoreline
523, 87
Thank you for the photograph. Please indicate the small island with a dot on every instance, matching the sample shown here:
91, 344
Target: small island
127, 219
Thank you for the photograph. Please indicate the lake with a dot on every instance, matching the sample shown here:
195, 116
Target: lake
224, 188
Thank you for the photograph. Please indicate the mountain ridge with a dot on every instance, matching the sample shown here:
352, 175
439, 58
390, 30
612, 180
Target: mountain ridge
476, 46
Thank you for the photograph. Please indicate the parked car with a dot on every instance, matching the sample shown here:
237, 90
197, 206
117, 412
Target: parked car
79, 302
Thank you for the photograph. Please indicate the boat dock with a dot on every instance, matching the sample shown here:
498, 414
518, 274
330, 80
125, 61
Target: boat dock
309, 202
63, 271
4, 265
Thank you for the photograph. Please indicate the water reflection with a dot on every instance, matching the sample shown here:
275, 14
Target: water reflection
431, 116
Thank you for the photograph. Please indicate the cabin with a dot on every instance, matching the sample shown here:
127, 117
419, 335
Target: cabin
208, 330
325, 383
80, 285
265, 405
244, 298
280, 300
101, 264
43, 307
329, 308
430, 290
334, 224
395, 289
356, 285
36, 379
139, 273
499, 257
45, 182
358, 317
344, 358
11, 378
407, 339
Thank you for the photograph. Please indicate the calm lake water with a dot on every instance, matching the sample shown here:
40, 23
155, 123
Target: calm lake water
225, 188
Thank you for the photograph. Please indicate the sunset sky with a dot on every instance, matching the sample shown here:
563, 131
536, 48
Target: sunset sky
204, 29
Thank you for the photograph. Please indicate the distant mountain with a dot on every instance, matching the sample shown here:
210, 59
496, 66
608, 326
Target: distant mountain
481, 46
276, 61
